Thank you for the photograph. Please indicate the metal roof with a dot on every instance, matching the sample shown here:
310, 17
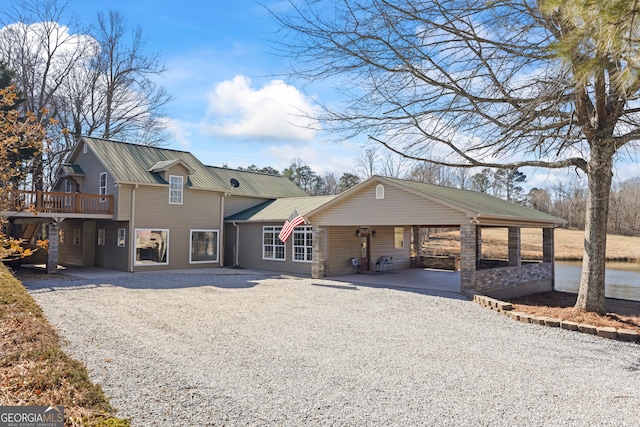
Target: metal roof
280, 209
72, 170
247, 183
136, 164
131, 163
475, 205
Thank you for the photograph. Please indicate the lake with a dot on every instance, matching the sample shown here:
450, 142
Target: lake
622, 279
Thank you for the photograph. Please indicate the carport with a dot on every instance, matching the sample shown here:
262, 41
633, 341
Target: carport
381, 217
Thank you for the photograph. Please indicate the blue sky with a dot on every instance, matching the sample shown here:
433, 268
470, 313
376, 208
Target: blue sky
231, 103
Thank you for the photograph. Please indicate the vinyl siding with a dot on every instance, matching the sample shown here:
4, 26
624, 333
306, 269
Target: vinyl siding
399, 207
111, 255
68, 253
200, 210
92, 168
251, 251
122, 209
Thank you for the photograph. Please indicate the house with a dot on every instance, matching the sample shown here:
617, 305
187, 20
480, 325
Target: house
136, 208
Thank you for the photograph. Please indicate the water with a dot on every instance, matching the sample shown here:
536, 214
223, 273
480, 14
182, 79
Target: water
622, 279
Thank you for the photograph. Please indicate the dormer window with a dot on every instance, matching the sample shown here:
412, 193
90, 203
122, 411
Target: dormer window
380, 191
175, 189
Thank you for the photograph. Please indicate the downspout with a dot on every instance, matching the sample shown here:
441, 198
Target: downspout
221, 233
237, 243
132, 229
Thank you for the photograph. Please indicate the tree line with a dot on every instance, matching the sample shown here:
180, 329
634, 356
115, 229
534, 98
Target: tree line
83, 80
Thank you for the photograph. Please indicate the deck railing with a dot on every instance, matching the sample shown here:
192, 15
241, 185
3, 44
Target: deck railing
50, 202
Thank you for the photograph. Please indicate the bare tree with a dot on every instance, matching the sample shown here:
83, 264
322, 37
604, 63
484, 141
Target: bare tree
366, 163
123, 100
502, 84
43, 53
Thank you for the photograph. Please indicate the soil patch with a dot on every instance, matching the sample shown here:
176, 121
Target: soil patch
621, 314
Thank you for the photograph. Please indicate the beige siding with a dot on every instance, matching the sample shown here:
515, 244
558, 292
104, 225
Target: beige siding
122, 209
343, 244
200, 210
111, 255
70, 254
250, 252
398, 207
235, 204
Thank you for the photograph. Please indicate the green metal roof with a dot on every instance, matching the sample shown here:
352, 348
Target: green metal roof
131, 163
70, 170
476, 204
280, 209
246, 183
136, 164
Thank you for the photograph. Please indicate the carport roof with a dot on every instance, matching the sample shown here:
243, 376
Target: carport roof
477, 206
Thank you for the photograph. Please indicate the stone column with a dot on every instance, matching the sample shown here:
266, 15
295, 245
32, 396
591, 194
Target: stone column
52, 254
515, 256
469, 237
319, 252
547, 245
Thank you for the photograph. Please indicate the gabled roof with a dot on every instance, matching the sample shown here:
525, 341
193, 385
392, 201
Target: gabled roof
132, 163
138, 164
475, 205
280, 209
167, 164
256, 184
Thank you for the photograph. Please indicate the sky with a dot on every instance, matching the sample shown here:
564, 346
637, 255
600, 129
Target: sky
231, 103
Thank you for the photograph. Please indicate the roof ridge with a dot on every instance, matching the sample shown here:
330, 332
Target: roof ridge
151, 147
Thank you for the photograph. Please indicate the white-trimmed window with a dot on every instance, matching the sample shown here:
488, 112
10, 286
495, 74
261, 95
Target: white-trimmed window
398, 237
122, 237
67, 189
103, 186
152, 246
102, 236
303, 243
204, 246
380, 191
272, 247
175, 190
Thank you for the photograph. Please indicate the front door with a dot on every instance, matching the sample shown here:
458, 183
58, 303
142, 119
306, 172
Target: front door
364, 252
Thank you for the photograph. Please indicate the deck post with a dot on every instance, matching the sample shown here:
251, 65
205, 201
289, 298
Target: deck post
52, 252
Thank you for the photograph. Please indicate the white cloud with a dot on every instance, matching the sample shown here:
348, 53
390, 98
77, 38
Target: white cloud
275, 111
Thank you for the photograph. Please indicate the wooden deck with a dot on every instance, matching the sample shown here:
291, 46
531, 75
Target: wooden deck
64, 203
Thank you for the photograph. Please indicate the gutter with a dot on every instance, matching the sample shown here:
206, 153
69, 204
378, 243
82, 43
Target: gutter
236, 263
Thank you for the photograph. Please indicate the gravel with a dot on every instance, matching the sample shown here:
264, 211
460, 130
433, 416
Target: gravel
258, 350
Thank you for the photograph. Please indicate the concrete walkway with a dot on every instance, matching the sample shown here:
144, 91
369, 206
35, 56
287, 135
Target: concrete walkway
414, 278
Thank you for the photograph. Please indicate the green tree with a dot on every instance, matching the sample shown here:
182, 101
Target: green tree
348, 180
500, 84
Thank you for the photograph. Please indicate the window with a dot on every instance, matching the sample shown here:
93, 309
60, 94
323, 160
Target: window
272, 247
152, 246
122, 237
398, 237
76, 236
302, 243
67, 189
84, 148
380, 191
103, 185
175, 190
101, 236
204, 246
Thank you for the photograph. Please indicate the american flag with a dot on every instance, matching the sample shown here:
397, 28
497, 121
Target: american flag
294, 220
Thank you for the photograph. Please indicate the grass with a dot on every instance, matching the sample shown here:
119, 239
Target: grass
569, 244
33, 368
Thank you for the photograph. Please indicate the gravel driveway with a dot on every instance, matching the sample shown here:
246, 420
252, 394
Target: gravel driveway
250, 349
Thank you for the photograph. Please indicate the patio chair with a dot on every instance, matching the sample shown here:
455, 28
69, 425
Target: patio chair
355, 265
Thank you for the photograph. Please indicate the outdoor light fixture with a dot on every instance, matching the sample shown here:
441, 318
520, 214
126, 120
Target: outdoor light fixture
358, 232
373, 233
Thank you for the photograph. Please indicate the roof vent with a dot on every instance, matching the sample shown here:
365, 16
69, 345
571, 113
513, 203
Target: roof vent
235, 183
